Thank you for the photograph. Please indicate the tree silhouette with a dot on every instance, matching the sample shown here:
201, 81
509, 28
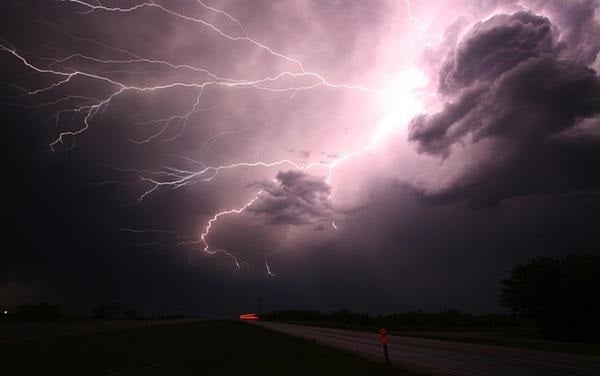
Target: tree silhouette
42, 311
561, 295
107, 311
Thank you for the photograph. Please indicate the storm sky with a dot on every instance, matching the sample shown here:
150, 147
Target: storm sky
377, 156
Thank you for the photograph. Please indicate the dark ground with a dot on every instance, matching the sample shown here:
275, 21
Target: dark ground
526, 338
491, 329
198, 348
447, 358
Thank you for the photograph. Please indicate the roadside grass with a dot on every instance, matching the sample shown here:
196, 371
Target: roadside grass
498, 339
517, 337
198, 348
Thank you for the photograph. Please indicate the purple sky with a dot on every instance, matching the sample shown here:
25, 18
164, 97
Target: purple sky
371, 155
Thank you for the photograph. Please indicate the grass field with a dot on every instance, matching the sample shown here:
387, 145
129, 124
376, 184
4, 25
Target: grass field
502, 339
198, 348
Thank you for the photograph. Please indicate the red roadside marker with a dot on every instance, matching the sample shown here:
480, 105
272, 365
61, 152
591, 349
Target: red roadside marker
383, 338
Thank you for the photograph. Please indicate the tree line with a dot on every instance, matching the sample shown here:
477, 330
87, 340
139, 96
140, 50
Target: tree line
558, 296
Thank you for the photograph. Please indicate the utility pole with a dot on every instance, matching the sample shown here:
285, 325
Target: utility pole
259, 308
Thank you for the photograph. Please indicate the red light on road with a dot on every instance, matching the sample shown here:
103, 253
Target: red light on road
249, 316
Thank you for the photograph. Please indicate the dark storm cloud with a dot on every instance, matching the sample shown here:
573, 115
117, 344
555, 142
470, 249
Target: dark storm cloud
495, 46
296, 198
518, 91
537, 98
432, 132
578, 27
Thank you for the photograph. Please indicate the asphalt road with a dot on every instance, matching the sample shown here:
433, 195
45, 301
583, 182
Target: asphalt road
446, 358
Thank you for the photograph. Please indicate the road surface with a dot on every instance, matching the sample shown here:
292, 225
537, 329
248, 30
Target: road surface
447, 358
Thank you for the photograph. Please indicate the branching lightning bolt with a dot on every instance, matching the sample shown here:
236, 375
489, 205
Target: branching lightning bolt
88, 107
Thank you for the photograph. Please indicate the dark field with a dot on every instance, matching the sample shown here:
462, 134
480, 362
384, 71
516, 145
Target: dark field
508, 339
197, 348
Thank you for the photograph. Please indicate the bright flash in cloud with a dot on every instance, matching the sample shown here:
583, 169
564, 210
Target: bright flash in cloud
400, 102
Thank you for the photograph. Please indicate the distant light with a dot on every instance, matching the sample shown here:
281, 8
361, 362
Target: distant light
5, 312
249, 316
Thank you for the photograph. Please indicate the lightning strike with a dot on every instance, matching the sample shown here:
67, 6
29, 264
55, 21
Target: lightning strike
268, 269
173, 177
413, 18
208, 227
